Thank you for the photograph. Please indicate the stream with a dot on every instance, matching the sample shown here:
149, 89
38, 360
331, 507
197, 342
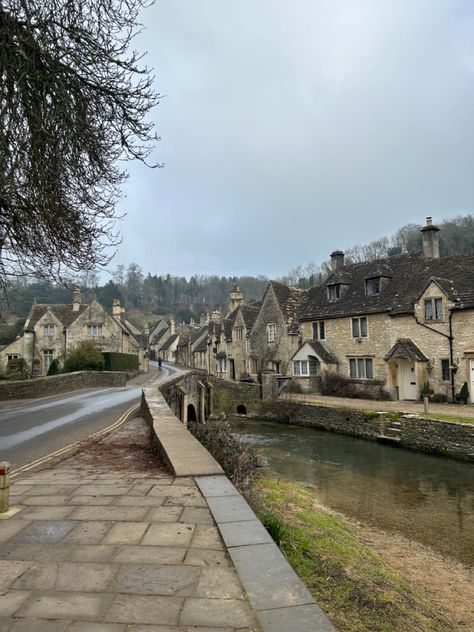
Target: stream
429, 499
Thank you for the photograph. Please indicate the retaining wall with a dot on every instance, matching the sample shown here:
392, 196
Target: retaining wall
55, 384
426, 435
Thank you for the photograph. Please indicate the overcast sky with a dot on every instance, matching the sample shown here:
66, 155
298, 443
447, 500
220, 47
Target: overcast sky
293, 128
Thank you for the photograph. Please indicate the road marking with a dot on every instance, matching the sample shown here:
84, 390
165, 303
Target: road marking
71, 446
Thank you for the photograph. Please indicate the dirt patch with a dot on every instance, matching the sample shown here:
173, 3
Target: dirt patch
445, 583
129, 449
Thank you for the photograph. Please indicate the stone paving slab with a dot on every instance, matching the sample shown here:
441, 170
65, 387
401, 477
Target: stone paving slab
96, 549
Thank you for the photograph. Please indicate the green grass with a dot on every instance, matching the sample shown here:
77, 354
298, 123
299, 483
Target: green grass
454, 418
347, 578
371, 414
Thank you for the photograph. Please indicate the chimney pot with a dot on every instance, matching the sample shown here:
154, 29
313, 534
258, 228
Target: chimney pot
337, 260
430, 235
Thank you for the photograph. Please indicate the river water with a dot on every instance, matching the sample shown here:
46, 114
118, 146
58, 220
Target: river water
428, 499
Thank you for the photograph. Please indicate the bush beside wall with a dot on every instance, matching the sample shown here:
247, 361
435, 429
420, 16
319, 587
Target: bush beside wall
120, 361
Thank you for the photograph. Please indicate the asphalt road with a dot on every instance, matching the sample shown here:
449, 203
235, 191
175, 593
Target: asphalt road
33, 428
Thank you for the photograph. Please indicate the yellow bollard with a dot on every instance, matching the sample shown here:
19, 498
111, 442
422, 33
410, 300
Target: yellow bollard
4, 486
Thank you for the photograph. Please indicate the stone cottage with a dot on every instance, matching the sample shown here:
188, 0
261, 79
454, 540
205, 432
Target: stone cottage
402, 324
274, 336
51, 330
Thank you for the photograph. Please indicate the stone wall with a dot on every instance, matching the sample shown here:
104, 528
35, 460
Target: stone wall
227, 396
43, 386
426, 435
439, 437
436, 437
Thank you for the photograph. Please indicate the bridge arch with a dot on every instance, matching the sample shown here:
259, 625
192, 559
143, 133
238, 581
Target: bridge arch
241, 409
191, 413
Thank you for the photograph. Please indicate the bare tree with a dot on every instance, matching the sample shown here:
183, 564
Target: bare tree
73, 102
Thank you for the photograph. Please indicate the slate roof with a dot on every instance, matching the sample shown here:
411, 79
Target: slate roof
289, 299
407, 276
64, 312
202, 346
322, 352
169, 342
228, 324
405, 348
249, 314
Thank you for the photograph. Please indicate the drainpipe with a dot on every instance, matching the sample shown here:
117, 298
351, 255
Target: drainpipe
450, 338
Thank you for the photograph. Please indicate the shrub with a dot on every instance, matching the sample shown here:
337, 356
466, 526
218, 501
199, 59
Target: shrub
120, 361
17, 369
54, 367
337, 385
292, 387
86, 356
238, 461
464, 393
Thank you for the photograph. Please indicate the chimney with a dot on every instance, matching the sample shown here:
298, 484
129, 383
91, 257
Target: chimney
216, 316
430, 235
172, 326
76, 299
337, 260
117, 309
236, 298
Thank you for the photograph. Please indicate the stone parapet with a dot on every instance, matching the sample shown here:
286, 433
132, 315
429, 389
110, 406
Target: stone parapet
55, 384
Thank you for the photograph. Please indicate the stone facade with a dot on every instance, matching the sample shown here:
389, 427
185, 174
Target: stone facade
50, 331
274, 336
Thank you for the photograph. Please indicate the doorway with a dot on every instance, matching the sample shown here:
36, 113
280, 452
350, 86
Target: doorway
406, 378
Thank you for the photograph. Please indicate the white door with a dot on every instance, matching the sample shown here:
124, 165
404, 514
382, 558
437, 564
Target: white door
471, 390
407, 387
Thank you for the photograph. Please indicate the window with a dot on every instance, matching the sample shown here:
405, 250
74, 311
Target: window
271, 332
319, 330
334, 292
221, 365
275, 366
48, 330
47, 359
306, 367
434, 309
254, 365
361, 368
372, 286
238, 333
359, 327
12, 356
94, 330
445, 373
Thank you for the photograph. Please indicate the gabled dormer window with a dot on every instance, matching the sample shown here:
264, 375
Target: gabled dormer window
334, 292
434, 309
372, 286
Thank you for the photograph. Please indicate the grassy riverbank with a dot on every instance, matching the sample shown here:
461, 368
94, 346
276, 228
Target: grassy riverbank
358, 591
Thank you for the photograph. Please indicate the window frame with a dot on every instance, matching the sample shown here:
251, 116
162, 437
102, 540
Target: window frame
359, 365
318, 327
445, 370
302, 368
360, 324
48, 330
239, 333
369, 283
433, 309
271, 332
94, 331
334, 291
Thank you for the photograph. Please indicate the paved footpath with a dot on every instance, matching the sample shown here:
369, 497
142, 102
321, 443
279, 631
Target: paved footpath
108, 541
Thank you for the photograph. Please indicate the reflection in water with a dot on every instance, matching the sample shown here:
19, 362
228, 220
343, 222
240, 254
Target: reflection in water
426, 498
